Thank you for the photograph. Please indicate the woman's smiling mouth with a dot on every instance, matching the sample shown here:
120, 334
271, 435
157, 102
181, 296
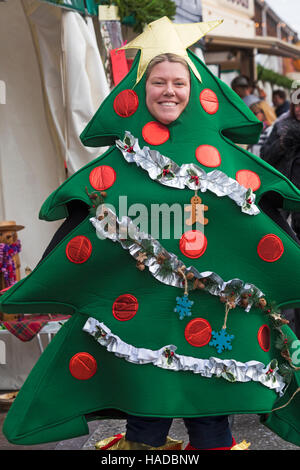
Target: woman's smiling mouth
168, 103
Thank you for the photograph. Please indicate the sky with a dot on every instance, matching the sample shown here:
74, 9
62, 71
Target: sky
288, 10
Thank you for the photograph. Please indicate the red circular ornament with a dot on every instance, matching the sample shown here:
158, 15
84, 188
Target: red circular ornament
126, 103
209, 101
193, 244
198, 332
248, 179
83, 366
270, 248
79, 249
208, 155
102, 177
125, 307
264, 338
155, 133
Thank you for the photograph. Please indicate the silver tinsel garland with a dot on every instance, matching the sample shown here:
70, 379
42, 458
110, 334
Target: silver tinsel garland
165, 171
128, 235
229, 369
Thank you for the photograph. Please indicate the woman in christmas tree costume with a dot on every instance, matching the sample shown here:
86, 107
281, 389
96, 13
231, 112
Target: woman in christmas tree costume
179, 324
167, 95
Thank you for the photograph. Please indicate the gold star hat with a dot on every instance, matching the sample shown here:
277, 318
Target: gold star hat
162, 36
125, 108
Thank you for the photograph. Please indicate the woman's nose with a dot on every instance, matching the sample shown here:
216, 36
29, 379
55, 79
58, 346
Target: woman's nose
169, 90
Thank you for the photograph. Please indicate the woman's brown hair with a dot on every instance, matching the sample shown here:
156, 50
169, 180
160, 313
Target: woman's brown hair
167, 57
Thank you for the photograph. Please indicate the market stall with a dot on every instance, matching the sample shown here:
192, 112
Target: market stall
21, 344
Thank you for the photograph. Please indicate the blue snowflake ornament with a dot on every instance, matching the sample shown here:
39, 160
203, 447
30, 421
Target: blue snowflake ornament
222, 340
183, 306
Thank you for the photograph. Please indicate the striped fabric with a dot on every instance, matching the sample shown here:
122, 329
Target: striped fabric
256, 148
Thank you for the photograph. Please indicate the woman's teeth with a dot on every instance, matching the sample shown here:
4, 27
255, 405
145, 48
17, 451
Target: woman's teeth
168, 103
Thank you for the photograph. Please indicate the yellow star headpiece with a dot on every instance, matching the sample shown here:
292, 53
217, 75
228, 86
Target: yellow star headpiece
162, 36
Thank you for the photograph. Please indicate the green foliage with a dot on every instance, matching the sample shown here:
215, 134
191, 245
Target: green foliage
138, 13
282, 342
228, 376
96, 201
147, 246
286, 372
267, 75
165, 269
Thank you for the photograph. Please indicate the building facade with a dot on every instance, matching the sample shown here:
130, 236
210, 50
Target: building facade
251, 33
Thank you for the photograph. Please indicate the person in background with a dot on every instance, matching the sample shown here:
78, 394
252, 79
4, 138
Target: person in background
277, 152
264, 112
281, 104
242, 86
282, 150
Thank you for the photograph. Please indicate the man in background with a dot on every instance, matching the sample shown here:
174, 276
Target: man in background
241, 85
281, 104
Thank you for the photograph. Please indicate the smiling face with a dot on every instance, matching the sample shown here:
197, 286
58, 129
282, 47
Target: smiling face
167, 91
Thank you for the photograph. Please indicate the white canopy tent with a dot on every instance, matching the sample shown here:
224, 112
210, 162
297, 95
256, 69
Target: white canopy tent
52, 82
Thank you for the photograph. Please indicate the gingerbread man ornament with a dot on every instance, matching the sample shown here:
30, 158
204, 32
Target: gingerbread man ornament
196, 210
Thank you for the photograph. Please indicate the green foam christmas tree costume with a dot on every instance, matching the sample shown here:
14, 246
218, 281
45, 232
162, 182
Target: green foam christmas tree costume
174, 325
